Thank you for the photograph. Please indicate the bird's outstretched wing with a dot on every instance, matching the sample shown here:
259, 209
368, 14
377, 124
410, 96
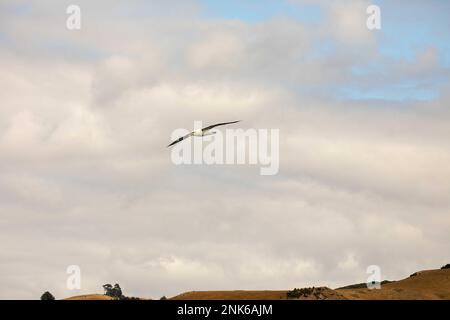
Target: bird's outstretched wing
218, 124
180, 139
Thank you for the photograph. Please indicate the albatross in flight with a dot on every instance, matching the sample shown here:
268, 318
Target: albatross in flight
206, 131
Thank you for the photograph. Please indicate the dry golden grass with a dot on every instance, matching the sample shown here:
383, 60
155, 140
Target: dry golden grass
429, 284
426, 285
90, 297
254, 295
232, 295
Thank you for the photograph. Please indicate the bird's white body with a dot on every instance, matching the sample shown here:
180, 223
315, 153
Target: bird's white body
202, 132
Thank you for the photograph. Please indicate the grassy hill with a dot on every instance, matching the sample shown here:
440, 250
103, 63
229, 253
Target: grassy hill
428, 284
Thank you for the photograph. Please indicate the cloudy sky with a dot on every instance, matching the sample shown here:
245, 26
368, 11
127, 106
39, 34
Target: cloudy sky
85, 117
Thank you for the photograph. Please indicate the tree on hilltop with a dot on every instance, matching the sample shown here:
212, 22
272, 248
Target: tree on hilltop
47, 296
113, 292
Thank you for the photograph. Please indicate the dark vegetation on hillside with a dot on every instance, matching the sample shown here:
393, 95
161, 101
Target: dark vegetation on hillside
305, 293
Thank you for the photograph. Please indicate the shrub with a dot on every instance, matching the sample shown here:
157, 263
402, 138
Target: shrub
47, 296
113, 292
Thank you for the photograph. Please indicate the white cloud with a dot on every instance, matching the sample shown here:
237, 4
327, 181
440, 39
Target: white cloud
86, 178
